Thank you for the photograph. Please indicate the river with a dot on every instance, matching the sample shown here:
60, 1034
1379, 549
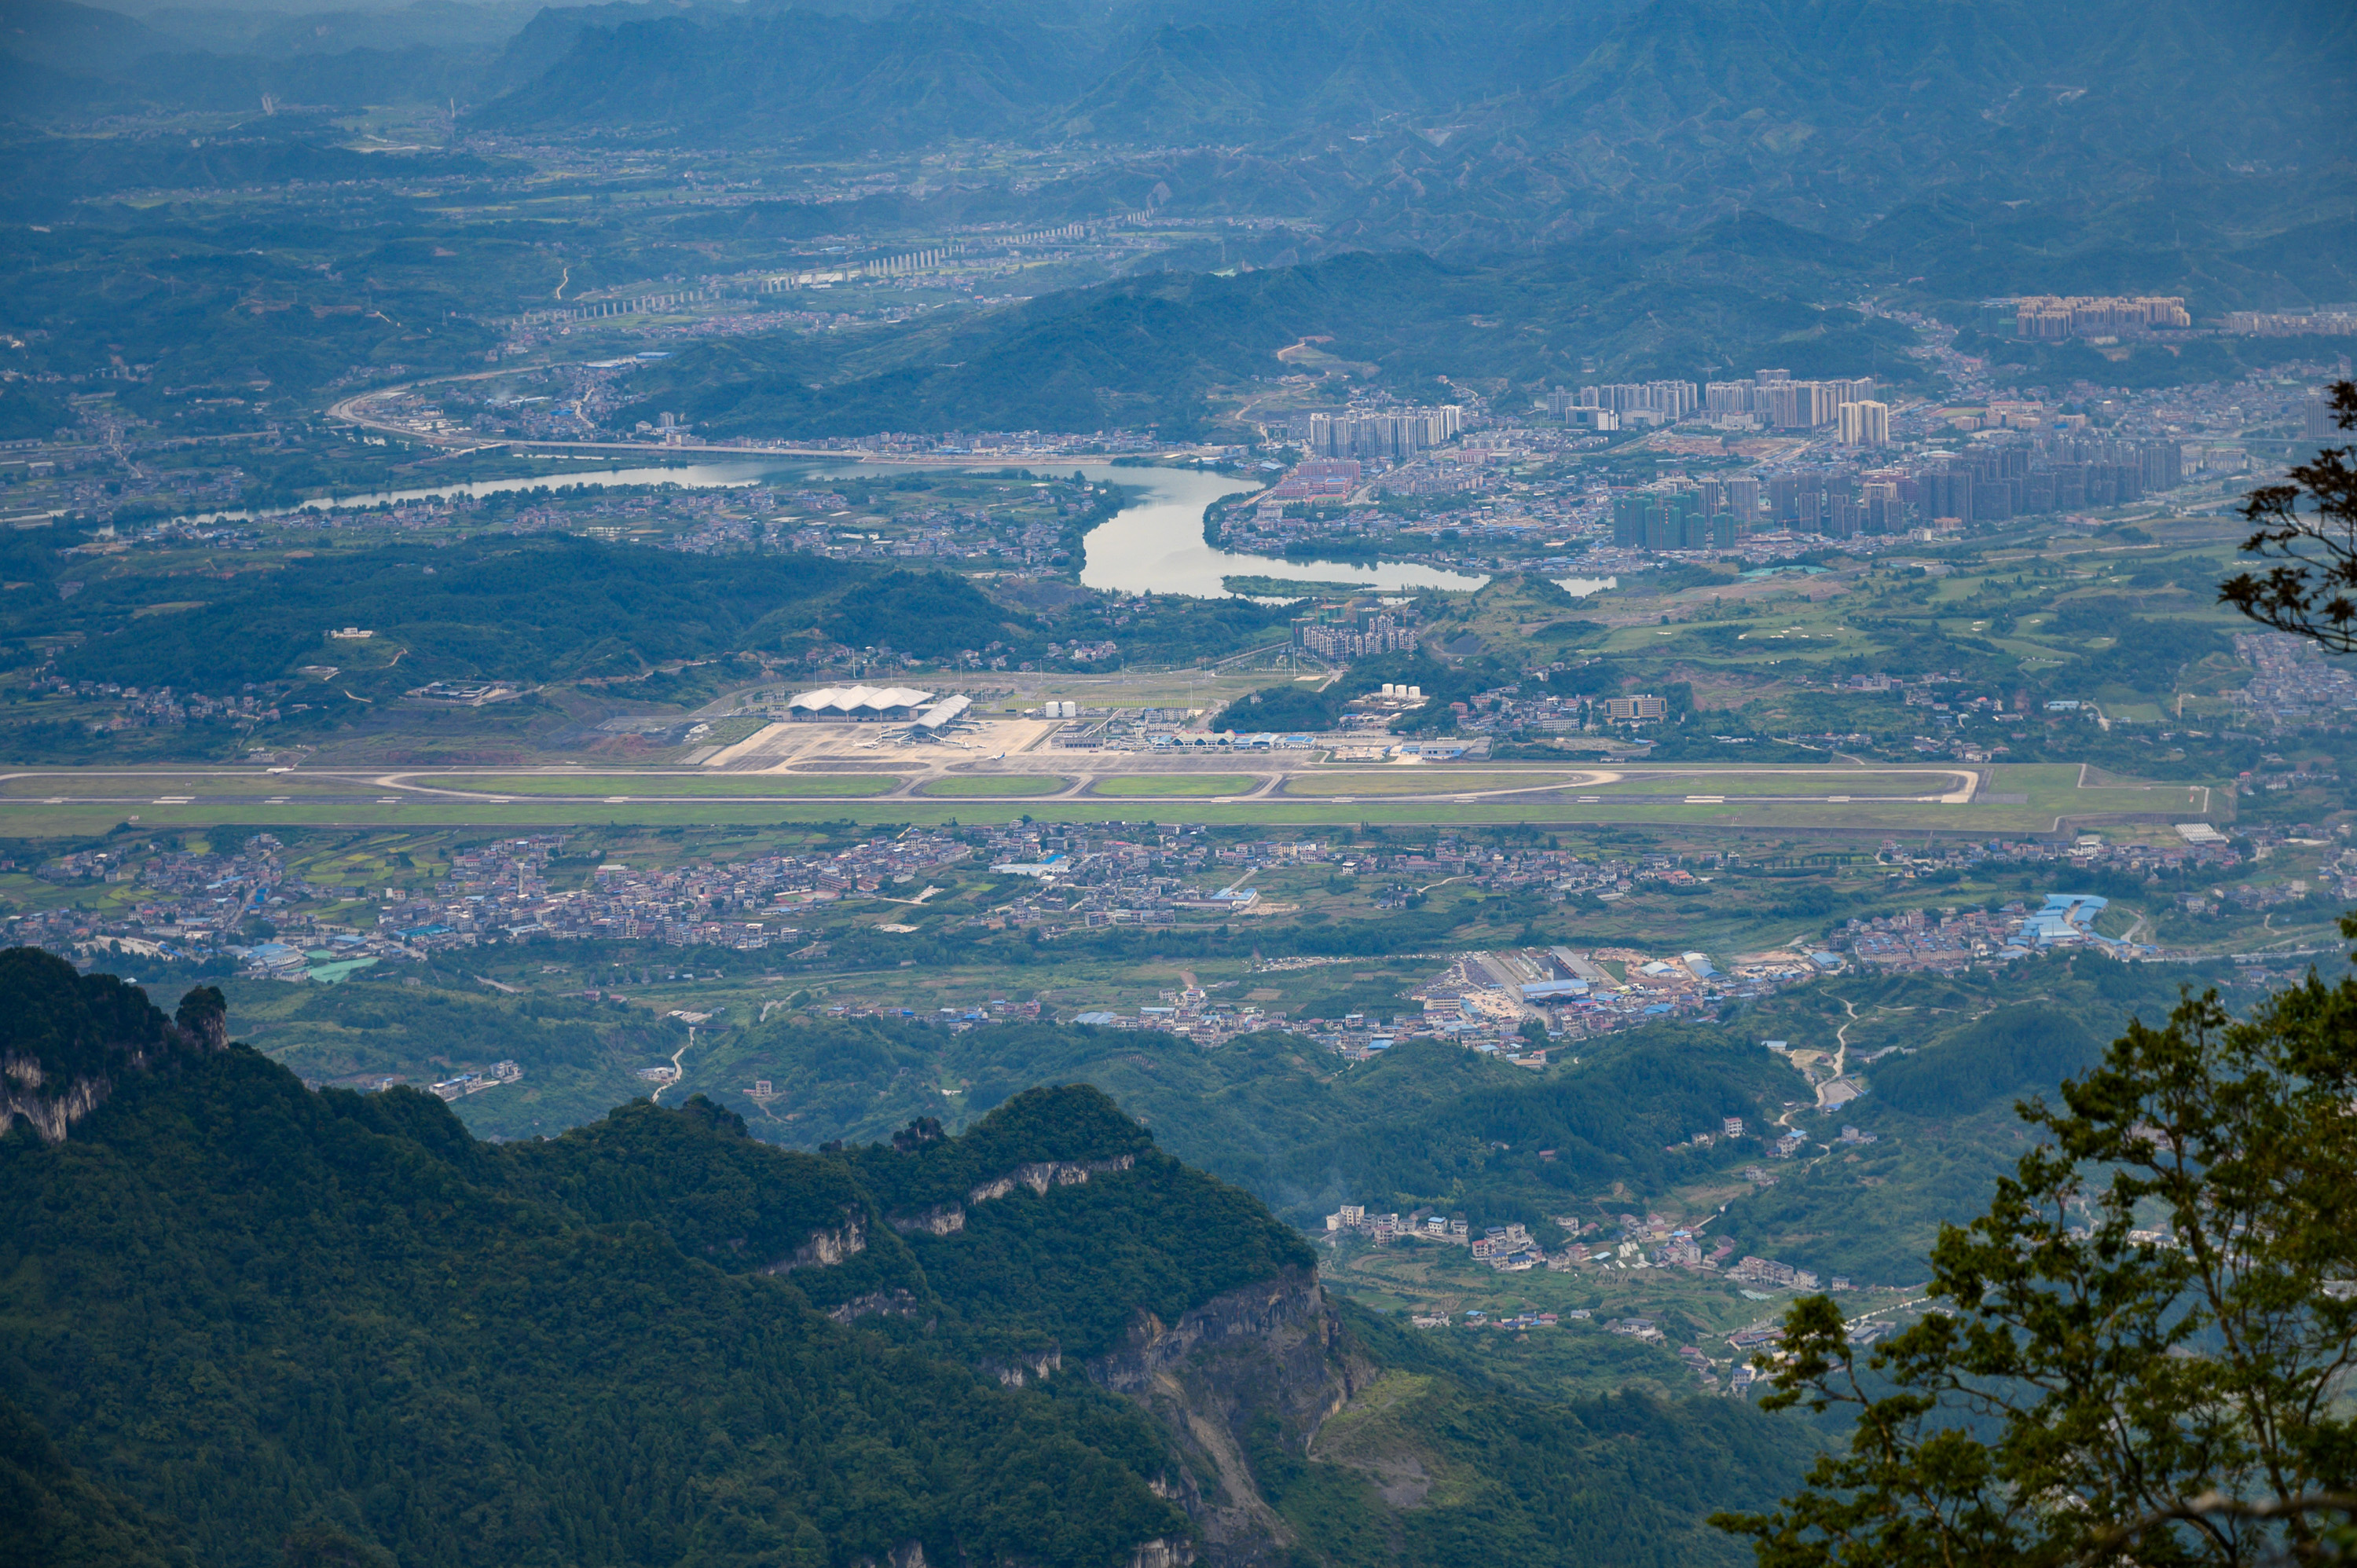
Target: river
1155, 546
691, 476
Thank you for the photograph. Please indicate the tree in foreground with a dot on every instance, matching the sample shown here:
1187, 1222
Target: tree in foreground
2309, 528
2144, 1351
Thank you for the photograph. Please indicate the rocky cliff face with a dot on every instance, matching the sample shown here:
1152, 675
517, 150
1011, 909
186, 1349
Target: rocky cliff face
67, 1041
1274, 1350
825, 1249
949, 1218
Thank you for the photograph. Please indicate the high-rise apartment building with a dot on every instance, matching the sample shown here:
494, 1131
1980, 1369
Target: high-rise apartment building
1668, 400
1396, 435
1864, 424
2051, 317
1809, 507
1727, 397
1680, 517
1806, 405
1629, 516
1885, 513
1947, 493
1742, 500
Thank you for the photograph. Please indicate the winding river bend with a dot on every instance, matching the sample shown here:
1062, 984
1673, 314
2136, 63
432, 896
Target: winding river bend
1154, 545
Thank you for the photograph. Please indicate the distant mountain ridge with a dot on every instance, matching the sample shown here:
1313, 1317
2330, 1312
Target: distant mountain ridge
1136, 73
1518, 118
1501, 125
926, 72
1145, 350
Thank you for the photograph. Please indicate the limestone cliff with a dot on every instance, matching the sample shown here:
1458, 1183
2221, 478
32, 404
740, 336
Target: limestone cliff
949, 1218
68, 1041
1274, 1350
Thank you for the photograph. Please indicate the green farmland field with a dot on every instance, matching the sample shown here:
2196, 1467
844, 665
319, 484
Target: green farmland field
1007, 786
1182, 785
1423, 779
658, 786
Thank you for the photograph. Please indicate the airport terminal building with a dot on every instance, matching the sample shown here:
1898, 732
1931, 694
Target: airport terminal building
883, 704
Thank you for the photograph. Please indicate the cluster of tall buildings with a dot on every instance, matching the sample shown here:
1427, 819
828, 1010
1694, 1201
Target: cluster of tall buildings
1667, 401
1836, 503
1383, 633
1718, 514
1771, 397
2049, 316
1397, 435
1712, 515
1775, 400
1993, 483
2324, 321
2057, 474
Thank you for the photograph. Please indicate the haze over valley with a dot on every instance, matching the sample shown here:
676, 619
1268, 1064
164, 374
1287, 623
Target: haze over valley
1115, 785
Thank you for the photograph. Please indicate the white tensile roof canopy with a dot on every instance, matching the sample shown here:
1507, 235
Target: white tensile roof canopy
860, 699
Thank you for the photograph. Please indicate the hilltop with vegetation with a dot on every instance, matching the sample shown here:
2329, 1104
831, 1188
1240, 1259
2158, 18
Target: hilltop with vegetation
655, 1340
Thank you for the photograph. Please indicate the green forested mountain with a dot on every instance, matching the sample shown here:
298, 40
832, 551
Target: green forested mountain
2054, 93
559, 608
250, 1324
1127, 353
545, 609
1740, 290
1429, 1124
1743, 84
61, 35
257, 1310
1145, 349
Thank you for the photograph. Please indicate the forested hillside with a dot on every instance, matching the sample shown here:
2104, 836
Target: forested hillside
533, 610
1148, 349
249, 1323
1429, 1124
